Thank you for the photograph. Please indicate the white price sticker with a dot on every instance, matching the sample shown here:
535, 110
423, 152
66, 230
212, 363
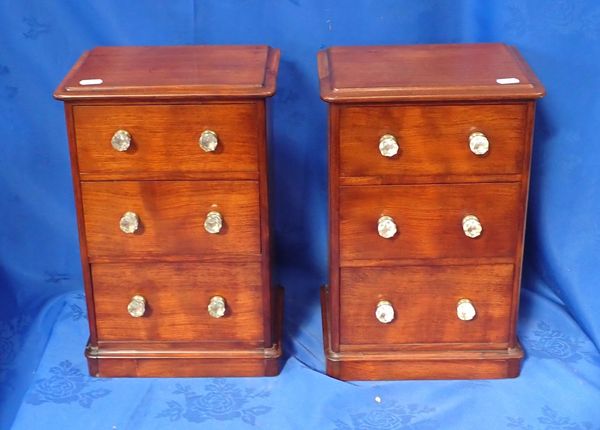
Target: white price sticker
91, 82
507, 81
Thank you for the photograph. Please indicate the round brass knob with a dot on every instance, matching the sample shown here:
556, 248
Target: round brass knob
137, 306
121, 140
213, 222
388, 145
465, 310
479, 143
471, 226
217, 307
129, 223
384, 312
386, 227
208, 140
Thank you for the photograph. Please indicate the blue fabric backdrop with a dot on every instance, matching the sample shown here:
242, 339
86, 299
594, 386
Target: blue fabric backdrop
43, 327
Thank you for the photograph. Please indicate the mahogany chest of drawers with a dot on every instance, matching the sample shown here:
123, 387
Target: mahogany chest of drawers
429, 158
169, 156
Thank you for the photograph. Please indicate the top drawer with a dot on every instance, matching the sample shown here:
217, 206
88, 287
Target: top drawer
432, 140
165, 141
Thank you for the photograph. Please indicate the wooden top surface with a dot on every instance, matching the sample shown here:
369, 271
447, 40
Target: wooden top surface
425, 72
158, 72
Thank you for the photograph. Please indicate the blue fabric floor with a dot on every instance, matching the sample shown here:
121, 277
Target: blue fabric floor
559, 387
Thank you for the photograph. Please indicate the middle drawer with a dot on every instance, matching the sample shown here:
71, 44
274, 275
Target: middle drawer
172, 219
428, 221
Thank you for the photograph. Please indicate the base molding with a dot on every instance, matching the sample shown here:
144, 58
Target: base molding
390, 365
190, 362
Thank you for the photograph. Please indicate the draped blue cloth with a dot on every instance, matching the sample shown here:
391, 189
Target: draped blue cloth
43, 327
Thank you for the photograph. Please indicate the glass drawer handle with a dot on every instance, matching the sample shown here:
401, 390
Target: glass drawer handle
479, 143
137, 306
465, 310
388, 145
384, 312
213, 222
208, 141
386, 227
129, 223
471, 226
121, 140
217, 307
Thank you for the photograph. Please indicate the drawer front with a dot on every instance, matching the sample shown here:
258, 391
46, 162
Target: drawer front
171, 218
424, 300
429, 221
432, 140
165, 140
176, 298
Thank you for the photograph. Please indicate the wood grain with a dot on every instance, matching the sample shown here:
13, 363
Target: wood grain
334, 224
424, 299
83, 250
424, 73
524, 202
269, 300
165, 97
177, 296
165, 141
429, 221
173, 72
185, 359
433, 140
172, 216
410, 364
225, 365
431, 97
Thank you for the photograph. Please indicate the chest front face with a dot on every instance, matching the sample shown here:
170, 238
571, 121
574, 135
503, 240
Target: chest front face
429, 161
168, 149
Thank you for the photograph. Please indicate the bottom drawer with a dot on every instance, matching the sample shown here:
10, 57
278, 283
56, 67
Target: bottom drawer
424, 301
176, 299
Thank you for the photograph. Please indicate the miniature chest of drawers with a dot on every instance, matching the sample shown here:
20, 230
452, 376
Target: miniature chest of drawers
169, 157
429, 158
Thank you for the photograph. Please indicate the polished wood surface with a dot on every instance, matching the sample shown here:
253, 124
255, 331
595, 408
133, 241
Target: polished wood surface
429, 221
430, 97
177, 296
165, 97
364, 365
85, 265
425, 72
185, 359
433, 140
172, 215
173, 72
424, 300
165, 141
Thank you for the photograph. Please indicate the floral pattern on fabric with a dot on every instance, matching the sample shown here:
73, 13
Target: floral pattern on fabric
221, 401
66, 384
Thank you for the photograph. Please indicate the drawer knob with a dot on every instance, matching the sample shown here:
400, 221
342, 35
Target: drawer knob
388, 145
121, 140
217, 307
384, 312
129, 223
465, 310
386, 227
213, 222
208, 140
471, 226
479, 143
137, 306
